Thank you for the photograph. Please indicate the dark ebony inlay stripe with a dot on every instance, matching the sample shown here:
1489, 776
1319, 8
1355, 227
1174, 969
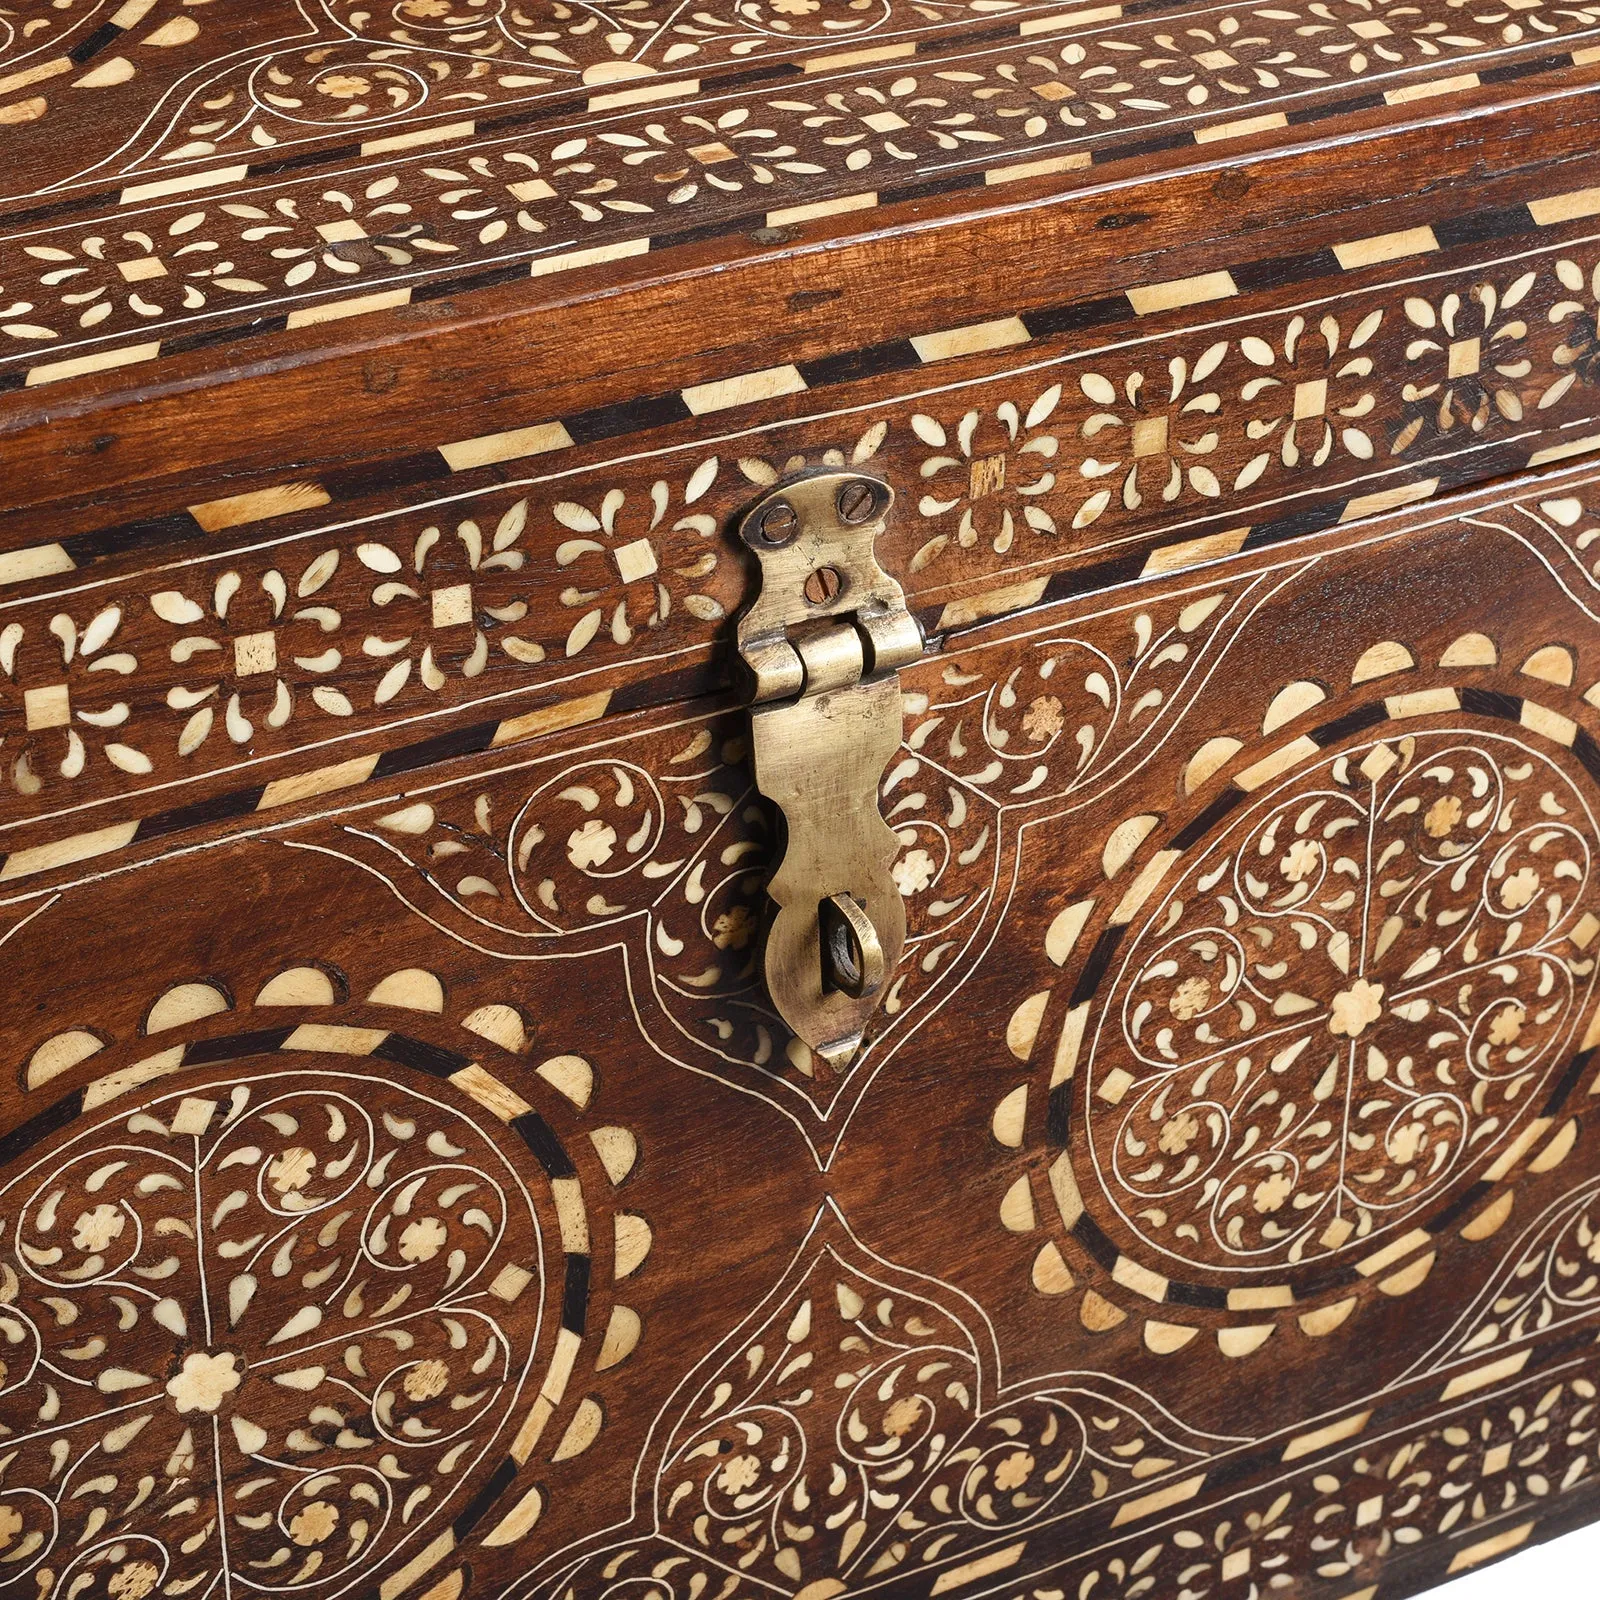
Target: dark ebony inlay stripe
575, 1295
1558, 1349
1134, 149
950, 184
1196, 828
1476, 227
306, 158
1337, 1278
1588, 753
376, 477
627, 416
204, 338
488, 278
1392, 1408
1100, 575
990, 35
1335, 108
17, 378
235, 1047
540, 1138
1205, 1296
1058, 1115
669, 688
1276, 272
1351, 723
1093, 1239
1234, 1469
1474, 468
217, 808
1491, 703
432, 1059
1094, 969
575, 105
1463, 1202
1313, 519
767, 73
53, 1118
172, 528
893, 355
1577, 1067
460, 742
90, 203
88, 49
1077, 316
494, 1486
749, 222
1512, 70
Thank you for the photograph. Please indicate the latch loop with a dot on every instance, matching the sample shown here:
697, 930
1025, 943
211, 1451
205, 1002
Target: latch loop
822, 643
852, 953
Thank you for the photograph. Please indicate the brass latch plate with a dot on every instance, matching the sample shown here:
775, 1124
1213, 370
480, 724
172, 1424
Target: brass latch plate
823, 642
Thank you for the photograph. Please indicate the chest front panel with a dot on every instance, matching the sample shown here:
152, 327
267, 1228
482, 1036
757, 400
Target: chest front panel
438, 1203
410, 1186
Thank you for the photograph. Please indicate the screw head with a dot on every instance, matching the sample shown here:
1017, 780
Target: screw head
856, 501
823, 585
778, 524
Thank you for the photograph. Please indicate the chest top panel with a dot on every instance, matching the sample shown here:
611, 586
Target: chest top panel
207, 180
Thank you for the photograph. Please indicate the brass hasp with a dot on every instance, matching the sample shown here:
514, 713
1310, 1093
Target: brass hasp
823, 642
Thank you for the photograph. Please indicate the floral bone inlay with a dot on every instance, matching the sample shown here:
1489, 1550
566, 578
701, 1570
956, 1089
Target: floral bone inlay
332, 1290
636, 560
255, 652
204, 1381
1435, 889
452, 605
47, 707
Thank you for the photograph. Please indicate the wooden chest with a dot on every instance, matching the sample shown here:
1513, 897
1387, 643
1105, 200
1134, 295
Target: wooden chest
798, 798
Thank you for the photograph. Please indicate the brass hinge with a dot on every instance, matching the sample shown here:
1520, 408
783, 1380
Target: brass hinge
822, 642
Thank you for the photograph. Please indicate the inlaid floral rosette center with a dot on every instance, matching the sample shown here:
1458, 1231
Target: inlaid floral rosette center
1346, 1003
262, 1335
203, 1381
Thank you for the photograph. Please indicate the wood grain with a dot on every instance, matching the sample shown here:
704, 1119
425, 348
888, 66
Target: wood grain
1072, 782
408, 1188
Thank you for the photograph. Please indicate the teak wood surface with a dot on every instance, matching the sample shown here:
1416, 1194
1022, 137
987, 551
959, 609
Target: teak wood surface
407, 1188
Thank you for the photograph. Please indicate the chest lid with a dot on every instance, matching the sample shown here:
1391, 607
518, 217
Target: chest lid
379, 385
402, 218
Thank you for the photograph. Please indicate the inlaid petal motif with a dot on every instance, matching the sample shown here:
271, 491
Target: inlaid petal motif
291, 1295
1350, 1001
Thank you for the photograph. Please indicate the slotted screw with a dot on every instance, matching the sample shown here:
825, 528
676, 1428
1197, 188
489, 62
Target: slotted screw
822, 586
778, 523
856, 501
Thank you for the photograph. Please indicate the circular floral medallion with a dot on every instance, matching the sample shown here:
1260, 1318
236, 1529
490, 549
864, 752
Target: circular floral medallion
270, 1330
1348, 1003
